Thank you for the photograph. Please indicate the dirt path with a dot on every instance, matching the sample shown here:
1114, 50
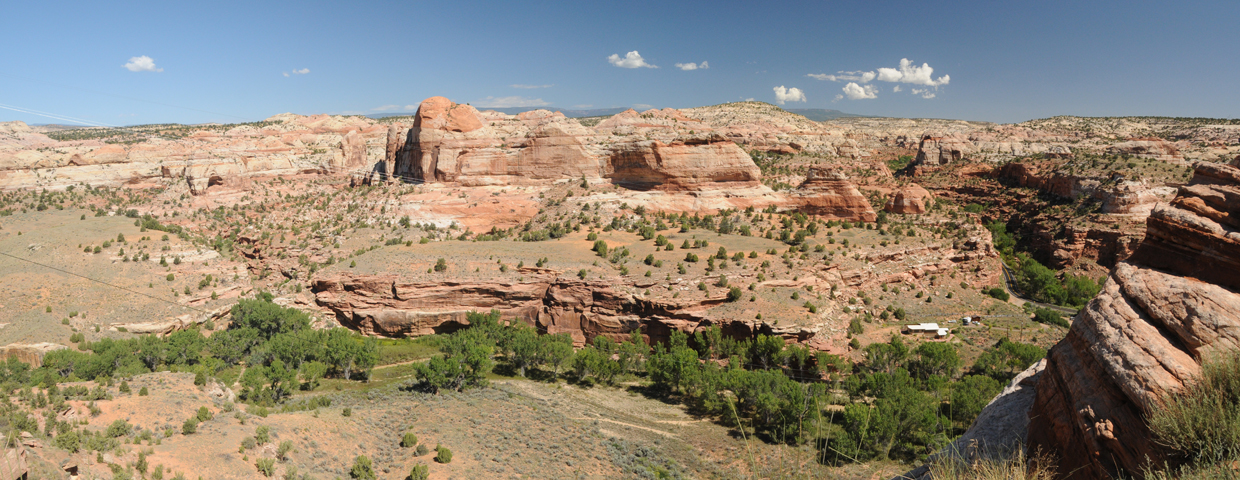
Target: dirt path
648, 429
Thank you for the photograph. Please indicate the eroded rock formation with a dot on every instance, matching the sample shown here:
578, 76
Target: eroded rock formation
828, 193
1159, 315
909, 199
385, 305
941, 149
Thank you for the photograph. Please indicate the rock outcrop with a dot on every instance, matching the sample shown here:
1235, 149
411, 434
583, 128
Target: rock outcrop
31, 353
941, 149
455, 143
909, 199
1159, 315
828, 193
387, 306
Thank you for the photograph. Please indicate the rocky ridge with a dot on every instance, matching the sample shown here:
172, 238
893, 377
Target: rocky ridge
1159, 315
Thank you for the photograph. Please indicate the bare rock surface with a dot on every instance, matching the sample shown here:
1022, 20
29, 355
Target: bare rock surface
830, 194
1158, 316
909, 199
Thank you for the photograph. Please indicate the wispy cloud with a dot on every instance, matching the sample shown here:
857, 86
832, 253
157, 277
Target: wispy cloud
630, 60
783, 95
508, 102
642, 106
857, 76
300, 71
924, 92
858, 92
518, 85
692, 66
142, 64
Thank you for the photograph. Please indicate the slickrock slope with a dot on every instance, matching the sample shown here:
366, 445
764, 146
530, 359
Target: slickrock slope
1158, 316
388, 306
829, 193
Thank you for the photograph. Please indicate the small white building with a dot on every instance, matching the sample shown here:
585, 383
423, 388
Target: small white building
928, 328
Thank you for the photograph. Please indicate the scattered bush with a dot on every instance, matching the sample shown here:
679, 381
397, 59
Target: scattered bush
444, 455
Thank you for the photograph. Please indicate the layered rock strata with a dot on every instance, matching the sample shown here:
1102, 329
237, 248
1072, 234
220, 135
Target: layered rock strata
828, 193
1160, 314
387, 306
909, 199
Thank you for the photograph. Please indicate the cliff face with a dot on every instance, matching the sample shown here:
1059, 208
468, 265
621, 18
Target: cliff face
1159, 315
455, 143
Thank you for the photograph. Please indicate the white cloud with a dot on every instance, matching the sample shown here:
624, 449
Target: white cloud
286, 74
692, 66
514, 101
788, 95
896, 89
750, 99
518, 85
630, 60
909, 73
857, 76
858, 92
142, 64
301, 71
924, 92
389, 108
642, 106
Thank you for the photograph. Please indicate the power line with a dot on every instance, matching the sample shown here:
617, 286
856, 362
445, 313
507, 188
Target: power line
61, 270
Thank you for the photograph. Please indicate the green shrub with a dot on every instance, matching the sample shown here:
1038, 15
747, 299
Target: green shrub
347, 412
1049, 317
143, 392
422, 450
190, 426
363, 469
204, 414
444, 455
283, 450
419, 472
409, 441
262, 434
267, 466
118, 428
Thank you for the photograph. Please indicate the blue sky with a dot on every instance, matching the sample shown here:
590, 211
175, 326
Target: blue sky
239, 61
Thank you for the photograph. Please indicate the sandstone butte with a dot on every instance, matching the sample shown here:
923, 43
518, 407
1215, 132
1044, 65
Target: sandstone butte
1160, 314
909, 199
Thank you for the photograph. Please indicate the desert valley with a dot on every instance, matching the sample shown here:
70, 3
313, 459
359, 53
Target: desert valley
728, 291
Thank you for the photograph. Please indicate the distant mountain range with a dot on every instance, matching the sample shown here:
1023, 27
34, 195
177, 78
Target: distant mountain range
815, 114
